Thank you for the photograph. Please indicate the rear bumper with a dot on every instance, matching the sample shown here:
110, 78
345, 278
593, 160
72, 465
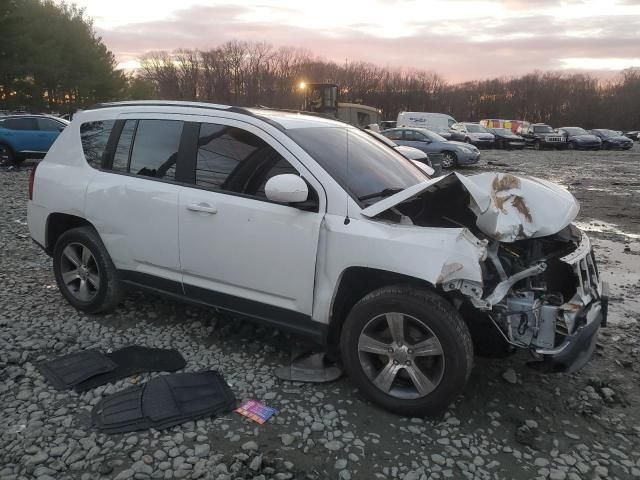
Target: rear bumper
576, 349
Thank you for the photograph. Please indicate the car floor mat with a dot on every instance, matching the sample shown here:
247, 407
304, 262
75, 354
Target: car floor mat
66, 371
163, 402
133, 360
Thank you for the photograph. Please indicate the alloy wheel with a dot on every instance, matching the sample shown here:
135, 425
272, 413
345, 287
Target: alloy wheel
447, 160
401, 355
80, 272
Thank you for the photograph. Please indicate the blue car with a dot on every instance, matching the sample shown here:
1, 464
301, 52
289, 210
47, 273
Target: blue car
27, 136
579, 139
453, 153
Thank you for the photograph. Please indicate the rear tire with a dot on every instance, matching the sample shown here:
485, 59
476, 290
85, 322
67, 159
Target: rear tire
84, 271
422, 380
537, 145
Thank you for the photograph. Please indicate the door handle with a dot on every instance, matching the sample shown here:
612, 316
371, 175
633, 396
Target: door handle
202, 207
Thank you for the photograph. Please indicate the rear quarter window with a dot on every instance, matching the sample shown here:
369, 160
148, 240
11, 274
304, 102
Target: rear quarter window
94, 137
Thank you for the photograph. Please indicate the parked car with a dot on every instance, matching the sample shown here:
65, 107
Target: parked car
386, 124
506, 139
512, 125
436, 122
27, 136
411, 153
453, 153
472, 133
578, 138
612, 139
633, 135
312, 225
541, 136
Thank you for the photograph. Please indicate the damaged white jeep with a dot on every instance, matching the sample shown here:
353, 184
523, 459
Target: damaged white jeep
320, 229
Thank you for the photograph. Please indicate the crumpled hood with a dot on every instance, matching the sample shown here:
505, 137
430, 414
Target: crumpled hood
507, 207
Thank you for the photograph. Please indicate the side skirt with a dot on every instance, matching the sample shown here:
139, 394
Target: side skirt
287, 320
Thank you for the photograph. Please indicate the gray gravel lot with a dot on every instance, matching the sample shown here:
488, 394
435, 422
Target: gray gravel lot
511, 422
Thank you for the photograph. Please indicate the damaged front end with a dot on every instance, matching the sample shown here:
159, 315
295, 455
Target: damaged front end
540, 283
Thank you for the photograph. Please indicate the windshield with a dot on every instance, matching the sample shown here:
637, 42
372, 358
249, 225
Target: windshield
433, 136
473, 128
543, 129
575, 131
374, 170
502, 131
607, 133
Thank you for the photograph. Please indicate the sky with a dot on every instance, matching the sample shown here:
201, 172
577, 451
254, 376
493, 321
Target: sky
459, 39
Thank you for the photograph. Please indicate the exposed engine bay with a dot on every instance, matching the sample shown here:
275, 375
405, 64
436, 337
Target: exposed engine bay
539, 276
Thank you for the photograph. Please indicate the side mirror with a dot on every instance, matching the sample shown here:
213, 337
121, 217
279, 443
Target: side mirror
424, 167
286, 188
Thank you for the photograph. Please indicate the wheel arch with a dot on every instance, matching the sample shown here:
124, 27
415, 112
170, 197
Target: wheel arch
353, 285
57, 224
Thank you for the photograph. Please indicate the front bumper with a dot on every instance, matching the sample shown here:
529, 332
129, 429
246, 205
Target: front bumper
576, 349
468, 158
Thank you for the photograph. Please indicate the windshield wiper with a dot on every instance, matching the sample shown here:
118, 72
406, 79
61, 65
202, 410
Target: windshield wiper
382, 193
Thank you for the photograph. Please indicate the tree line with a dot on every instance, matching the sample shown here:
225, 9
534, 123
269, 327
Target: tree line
252, 73
51, 59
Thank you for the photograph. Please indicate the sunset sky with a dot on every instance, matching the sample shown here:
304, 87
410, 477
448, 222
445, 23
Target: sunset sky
460, 39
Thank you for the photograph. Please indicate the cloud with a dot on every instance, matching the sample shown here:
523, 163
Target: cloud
486, 46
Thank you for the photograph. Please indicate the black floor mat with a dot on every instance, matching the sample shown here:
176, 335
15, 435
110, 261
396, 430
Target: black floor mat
163, 402
69, 370
132, 360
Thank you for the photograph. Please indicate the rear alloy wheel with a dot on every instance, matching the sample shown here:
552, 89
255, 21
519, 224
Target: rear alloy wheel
407, 349
84, 271
449, 160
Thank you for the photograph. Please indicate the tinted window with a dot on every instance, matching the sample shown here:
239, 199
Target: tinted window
543, 129
155, 148
123, 148
49, 125
236, 160
21, 124
358, 162
94, 137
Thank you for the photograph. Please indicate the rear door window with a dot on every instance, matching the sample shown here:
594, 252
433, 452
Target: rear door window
94, 137
49, 125
155, 148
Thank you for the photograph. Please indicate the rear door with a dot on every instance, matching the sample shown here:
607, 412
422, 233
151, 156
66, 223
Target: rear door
239, 250
133, 199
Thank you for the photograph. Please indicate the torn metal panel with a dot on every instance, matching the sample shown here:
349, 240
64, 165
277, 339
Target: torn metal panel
507, 207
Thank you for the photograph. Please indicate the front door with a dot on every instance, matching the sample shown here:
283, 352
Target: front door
239, 250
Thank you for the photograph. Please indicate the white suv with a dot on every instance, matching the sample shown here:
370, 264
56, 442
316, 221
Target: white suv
318, 228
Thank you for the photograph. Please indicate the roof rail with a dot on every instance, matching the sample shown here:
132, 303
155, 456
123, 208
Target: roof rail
169, 103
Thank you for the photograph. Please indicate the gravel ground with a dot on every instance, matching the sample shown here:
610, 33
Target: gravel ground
511, 422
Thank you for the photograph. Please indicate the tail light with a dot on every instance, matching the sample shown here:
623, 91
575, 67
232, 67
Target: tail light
32, 176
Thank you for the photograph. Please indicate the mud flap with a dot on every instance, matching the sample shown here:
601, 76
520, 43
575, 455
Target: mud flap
133, 360
309, 367
69, 370
163, 402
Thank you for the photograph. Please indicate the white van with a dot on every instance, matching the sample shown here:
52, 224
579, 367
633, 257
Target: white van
436, 122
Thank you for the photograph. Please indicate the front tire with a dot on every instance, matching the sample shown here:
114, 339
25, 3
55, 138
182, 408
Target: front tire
84, 271
571, 146
7, 157
407, 349
449, 160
